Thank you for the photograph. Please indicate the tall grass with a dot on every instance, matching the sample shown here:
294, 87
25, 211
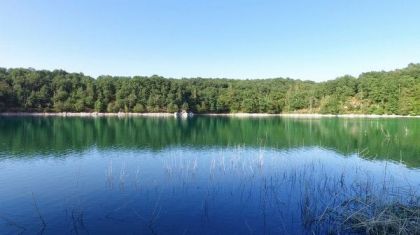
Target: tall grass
267, 193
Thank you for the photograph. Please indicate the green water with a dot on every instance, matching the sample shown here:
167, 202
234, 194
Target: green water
205, 175
387, 139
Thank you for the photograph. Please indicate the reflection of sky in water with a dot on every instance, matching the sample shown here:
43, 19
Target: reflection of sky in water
177, 190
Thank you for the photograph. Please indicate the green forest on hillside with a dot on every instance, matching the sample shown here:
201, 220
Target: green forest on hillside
29, 90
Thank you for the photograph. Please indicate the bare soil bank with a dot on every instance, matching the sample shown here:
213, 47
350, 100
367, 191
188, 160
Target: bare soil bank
85, 114
294, 115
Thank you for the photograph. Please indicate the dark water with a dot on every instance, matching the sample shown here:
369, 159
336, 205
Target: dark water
204, 175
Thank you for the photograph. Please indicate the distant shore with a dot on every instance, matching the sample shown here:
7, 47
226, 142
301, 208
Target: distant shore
86, 114
310, 115
121, 114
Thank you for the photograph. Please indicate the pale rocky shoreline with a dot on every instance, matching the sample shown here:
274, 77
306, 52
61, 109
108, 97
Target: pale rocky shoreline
311, 115
293, 115
86, 114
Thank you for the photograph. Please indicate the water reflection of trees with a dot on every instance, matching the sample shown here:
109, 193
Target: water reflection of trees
395, 139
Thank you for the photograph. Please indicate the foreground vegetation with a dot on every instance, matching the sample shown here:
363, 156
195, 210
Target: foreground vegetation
258, 192
29, 90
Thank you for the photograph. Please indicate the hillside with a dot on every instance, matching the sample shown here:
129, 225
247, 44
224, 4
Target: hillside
29, 90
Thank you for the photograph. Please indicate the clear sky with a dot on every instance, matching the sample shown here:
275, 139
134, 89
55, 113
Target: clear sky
314, 40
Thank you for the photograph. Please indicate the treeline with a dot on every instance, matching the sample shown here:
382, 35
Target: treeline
29, 90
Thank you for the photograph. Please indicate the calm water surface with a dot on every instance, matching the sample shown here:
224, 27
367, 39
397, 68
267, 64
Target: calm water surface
207, 175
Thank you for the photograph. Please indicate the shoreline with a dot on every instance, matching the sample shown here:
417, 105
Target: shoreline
84, 114
310, 115
120, 114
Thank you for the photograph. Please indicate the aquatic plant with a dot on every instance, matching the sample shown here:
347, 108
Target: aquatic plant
265, 192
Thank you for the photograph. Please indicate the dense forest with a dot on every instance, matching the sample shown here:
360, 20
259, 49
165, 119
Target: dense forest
29, 90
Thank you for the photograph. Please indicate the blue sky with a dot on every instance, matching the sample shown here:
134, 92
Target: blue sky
314, 40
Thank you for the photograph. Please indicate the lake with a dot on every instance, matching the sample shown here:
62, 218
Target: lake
207, 175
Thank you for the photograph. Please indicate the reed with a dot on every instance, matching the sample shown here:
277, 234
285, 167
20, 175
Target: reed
305, 197
41, 218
